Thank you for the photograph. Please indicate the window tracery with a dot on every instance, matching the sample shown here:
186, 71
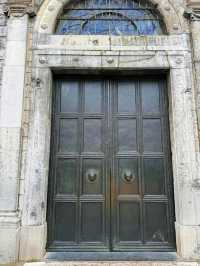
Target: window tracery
110, 17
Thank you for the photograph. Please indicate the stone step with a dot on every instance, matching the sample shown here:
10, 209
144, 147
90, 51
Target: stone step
113, 263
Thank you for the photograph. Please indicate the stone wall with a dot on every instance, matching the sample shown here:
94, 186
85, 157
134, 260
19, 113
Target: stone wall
24, 147
3, 33
27, 100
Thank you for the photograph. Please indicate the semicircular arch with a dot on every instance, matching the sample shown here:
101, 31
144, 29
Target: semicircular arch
50, 10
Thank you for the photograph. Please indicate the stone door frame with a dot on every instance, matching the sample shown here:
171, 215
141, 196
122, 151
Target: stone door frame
171, 53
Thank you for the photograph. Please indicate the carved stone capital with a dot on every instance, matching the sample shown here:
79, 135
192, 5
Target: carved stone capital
19, 8
192, 13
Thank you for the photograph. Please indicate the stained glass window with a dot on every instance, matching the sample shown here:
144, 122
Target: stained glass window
110, 17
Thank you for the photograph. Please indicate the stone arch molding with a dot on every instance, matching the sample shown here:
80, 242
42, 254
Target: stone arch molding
50, 10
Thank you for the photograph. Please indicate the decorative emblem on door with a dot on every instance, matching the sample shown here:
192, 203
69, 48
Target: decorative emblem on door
92, 175
128, 176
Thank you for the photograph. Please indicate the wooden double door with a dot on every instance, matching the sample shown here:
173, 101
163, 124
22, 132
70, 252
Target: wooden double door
110, 184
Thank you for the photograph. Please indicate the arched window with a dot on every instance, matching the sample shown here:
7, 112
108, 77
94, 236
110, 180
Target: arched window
110, 17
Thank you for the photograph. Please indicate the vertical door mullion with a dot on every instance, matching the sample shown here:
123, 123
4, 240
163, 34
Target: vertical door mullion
109, 159
80, 164
140, 157
112, 163
104, 174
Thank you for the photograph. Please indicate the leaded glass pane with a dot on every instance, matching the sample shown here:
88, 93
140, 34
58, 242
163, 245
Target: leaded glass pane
115, 17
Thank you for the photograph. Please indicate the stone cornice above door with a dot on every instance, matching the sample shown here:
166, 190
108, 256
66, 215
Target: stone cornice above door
18, 8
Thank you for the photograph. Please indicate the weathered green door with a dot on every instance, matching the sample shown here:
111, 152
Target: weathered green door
110, 186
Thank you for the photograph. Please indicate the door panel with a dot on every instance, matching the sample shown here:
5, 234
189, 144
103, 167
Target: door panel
126, 142
150, 93
65, 218
68, 135
66, 176
129, 221
69, 97
128, 167
152, 138
92, 135
92, 181
156, 222
93, 97
110, 183
126, 97
92, 222
154, 176
78, 192
140, 191
126, 208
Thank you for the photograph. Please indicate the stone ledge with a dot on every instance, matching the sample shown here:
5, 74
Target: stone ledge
113, 263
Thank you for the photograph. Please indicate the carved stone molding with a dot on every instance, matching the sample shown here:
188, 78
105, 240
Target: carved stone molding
192, 11
19, 8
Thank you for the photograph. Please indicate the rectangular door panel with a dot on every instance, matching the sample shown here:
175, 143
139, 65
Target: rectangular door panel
66, 176
154, 176
92, 177
150, 93
93, 97
129, 221
152, 137
65, 222
126, 98
156, 222
92, 223
128, 179
78, 181
69, 97
92, 135
140, 185
68, 135
126, 133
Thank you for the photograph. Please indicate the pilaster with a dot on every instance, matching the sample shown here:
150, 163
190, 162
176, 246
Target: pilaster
10, 135
187, 228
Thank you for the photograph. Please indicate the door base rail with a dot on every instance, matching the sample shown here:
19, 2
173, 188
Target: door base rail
110, 256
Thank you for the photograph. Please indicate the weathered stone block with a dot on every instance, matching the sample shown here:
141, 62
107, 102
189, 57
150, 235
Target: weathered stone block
12, 96
188, 239
32, 242
9, 243
10, 139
